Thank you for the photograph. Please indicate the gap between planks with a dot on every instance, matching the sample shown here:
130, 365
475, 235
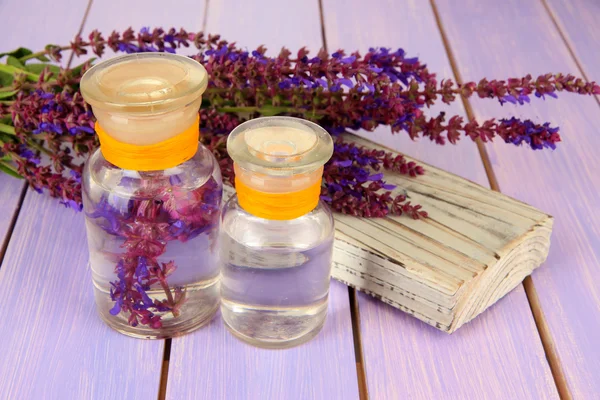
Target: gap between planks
13, 222
530, 291
164, 372
361, 373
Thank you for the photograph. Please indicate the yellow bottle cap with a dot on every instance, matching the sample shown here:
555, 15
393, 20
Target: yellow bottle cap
142, 101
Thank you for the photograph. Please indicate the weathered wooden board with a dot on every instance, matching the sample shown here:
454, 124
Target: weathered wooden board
211, 363
521, 38
475, 246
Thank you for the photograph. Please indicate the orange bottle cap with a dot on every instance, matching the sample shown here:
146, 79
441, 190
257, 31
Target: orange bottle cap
278, 164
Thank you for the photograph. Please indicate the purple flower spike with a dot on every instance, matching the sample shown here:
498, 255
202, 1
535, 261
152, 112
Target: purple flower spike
145, 298
343, 164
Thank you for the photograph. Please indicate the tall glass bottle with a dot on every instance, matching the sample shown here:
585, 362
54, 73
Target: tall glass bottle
276, 235
151, 196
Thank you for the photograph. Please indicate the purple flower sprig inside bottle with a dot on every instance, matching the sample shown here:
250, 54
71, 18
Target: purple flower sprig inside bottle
145, 228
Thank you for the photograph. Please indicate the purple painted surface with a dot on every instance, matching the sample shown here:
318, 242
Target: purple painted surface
54, 345
60, 349
578, 19
109, 15
38, 22
563, 183
499, 354
211, 363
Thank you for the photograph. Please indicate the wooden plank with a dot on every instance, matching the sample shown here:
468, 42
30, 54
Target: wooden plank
400, 352
54, 344
212, 364
26, 29
563, 183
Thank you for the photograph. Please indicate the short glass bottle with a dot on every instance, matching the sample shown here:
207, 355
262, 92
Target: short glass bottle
152, 197
276, 235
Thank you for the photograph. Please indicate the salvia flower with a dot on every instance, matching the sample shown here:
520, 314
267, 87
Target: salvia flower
341, 92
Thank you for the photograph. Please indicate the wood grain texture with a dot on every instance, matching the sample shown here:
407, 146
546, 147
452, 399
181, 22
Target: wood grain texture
211, 363
400, 352
475, 246
578, 20
564, 183
54, 345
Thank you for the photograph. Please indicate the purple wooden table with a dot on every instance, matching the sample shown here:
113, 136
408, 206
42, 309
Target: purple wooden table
540, 342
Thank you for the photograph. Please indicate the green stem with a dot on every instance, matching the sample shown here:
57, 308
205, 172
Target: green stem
12, 70
39, 147
40, 53
7, 102
265, 110
9, 169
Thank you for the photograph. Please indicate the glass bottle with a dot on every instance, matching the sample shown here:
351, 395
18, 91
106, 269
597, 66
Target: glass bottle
276, 235
151, 197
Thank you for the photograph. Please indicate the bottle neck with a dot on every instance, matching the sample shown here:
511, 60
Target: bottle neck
151, 157
275, 197
148, 142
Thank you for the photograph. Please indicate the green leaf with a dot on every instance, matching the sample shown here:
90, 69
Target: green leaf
6, 138
37, 68
41, 57
14, 62
6, 79
7, 129
6, 120
9, 169
18, 53
5, 95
